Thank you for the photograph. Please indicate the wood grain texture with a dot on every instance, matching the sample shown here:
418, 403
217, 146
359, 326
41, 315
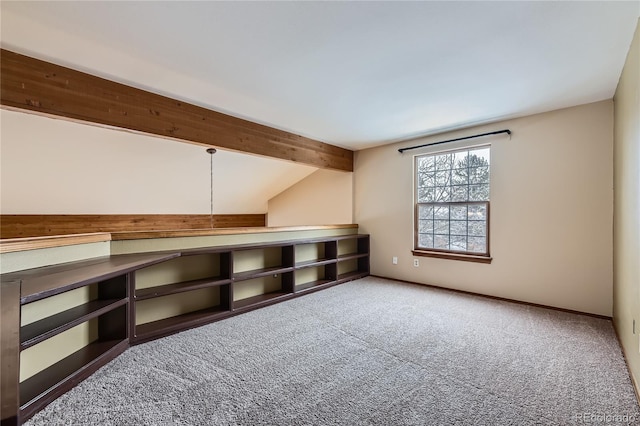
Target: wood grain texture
20, 226
32, 84
34, 243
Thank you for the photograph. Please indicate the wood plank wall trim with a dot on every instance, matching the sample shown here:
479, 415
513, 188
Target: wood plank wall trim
20, 226
34, 243
32, 84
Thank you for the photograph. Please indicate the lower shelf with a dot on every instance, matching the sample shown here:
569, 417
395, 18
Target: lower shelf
313, 285
180, 322
42, 388
260, 300
352, 275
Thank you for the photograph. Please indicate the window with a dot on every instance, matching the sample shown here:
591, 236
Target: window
452, 204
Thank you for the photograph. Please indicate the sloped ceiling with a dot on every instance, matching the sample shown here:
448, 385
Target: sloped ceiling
354, 74
52, 166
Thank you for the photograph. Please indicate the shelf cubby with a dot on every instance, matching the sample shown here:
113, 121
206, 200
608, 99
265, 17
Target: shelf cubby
40, 389
38, 331
313, 277
166, 326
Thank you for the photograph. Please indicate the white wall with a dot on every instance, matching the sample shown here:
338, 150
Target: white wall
53, 166
322, 198
626, 283
551, 211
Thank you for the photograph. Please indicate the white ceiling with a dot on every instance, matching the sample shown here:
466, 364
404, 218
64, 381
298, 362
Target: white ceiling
353, 74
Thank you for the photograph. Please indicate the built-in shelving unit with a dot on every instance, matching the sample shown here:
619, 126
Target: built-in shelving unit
93, 310
98, 291
240, 278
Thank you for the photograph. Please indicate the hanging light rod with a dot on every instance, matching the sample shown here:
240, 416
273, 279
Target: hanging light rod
401, 150
211, 151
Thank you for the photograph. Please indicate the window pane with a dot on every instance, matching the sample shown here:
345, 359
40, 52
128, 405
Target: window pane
478, 229
458, 243
425, 240
459, 193
441, 242
426, 195
441, 212
426, 164
443, 178
426, 179
477, 244
479, 192
444, 162
477, 212
460, 159
441, 227
460, 176
443, 194
482, 157
459, 227
425, 212
426, 226
459, 212
479, 175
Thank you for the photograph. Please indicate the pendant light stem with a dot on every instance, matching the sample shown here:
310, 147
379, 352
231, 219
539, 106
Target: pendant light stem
211, 151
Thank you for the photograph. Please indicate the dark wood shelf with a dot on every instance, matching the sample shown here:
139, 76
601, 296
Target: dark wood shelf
42, 388
43, 329
313, 285
351, 256
257, 273
351, 275
312, 263
260, 300
48, 281
165, 290
170, 325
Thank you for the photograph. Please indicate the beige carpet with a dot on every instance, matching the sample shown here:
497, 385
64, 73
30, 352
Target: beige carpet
368, 352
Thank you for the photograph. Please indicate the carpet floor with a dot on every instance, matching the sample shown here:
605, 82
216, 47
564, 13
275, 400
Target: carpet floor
368, 352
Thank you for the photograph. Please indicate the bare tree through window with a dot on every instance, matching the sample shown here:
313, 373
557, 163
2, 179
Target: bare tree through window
452, 201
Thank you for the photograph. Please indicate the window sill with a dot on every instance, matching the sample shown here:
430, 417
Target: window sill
453, 256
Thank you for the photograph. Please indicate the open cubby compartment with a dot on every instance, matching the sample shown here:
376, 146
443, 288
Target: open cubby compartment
353, 258
164, 315
182, 274
52, 366
315, 277
315, 253
262, 291
260, 262
47, 317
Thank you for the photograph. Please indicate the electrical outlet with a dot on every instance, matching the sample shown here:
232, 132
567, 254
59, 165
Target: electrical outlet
394, 260
416, 262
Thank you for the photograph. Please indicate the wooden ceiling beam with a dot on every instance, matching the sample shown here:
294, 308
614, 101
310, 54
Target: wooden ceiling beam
42, 87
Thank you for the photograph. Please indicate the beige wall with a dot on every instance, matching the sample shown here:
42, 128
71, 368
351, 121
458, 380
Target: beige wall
626, 283
322, 198
551, 211
53, 166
